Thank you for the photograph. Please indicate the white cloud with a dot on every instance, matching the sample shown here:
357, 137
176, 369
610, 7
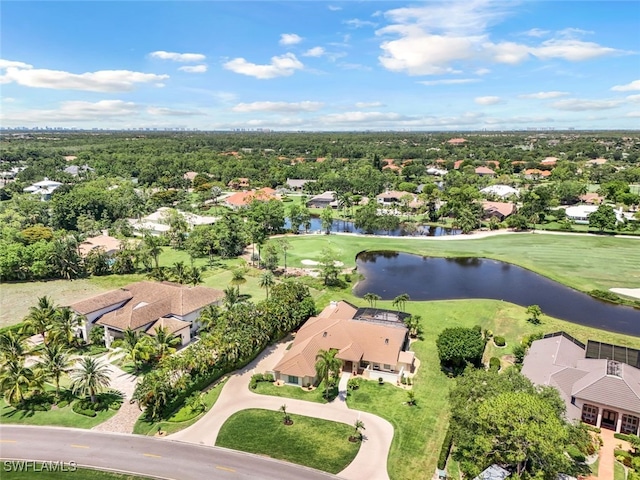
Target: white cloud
100, 81
178, 57
359, 117
482, 71
571, 32
544, 95
634, 98
369, 104
536, 32
633, 114
11, 64
281, 107
435, 38
290, 39
74, 111
354, 66
635, 85
357, 23
579, 105
314, 52
488, 100
8, 100
160, 111
282, 66
334, 8
193, 68
449, 81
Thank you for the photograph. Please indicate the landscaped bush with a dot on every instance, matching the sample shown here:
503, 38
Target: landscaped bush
624, 436
499, 341
623, 457
575, 453
83, 407
259, 377
62, 403
605, 295
494, 363
354, 383
444, 451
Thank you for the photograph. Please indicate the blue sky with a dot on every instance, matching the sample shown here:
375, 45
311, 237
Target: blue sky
316, 65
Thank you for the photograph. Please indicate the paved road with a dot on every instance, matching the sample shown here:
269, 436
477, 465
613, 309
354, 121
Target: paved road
163, 458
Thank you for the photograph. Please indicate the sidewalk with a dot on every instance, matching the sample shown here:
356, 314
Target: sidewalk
371, 460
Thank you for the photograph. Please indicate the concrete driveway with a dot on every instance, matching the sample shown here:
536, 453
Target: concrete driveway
371, 460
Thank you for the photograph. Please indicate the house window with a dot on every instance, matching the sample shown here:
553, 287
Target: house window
386, 367
364, 364
629, 424
589, 414
293, 379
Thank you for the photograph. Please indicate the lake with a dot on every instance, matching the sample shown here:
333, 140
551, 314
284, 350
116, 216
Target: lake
390, 274
347, 226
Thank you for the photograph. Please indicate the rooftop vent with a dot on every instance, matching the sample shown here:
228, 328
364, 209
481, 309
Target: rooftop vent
613, 368
386, 341
324, 334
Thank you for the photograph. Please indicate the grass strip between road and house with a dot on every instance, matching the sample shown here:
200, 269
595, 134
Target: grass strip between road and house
312, 442
22, 470
60, 417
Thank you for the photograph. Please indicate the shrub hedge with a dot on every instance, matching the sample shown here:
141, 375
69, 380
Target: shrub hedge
499, 341
446, 448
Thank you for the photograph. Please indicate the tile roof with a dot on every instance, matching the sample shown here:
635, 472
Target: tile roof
110, 244
484, 171
93, 304
355, 340
503, 208
240, 199
172, 325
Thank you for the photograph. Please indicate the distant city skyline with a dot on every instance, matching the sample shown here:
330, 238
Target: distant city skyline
316, 65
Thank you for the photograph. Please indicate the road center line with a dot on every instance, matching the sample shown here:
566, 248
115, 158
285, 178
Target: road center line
152, 455
79, 446
226, 469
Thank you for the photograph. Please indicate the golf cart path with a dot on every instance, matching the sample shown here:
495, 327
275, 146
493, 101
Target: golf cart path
371, 460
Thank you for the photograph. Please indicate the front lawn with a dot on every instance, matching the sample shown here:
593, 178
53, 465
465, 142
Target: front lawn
315, 443
182, 418
61, 417
290, 391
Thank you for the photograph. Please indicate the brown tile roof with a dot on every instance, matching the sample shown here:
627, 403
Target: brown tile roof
503, 208
241, 199
172, 325
535, 171
355, 340
108, 243
484, 171
593, 198
457, 163
149, 301
456, 141
397, 194
93, 304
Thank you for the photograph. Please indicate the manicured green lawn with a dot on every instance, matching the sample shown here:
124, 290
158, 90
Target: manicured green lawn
582, 262
312, 442
62, 417
289, 391
182, 419
80, 473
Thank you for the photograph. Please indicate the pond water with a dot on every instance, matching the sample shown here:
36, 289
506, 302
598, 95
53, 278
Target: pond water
347, 226
390, 274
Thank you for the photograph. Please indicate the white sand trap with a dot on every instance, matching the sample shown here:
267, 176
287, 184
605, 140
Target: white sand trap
313, 262
628, 292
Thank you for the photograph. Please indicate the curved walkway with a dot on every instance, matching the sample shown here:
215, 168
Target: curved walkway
371, 460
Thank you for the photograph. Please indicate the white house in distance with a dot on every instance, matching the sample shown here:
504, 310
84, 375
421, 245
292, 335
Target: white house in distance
599, 382
500, 191
370, 342
145, 307
44, 188
580, 213
155, 223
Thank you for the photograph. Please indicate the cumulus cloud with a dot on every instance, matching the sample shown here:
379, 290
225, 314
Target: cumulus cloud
280, 66
334, 8
280, 107
178, 57
433, 39
482, 71
359, 117
369, 104
488, 100
449, 81
314, 52
11, 64
100, 81
633, 114
579, 105
635, 85
290, 39
160, 111
544, 95
634, 98
536, 32
74, 111
193, 68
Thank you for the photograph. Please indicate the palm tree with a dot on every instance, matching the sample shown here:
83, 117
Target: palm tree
159, 274
266, 281
194, 276
372, 298
90, 377
209, 317
400, 301
12, 348
153, 246
231, 296
65, 326
55, 362
284, 245
358, 426
65, 258
327, 364
17, 380
166, 343
238, 279
414, 325
40, 318
143, 351
179, 272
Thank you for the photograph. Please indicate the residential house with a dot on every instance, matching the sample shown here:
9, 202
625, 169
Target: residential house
45, 188
370, 342
500, 191
108, 244
599, 383
155, 223
323, 200
190, 176
536, 174
242, 199
439, 172
591, 198
457, 141
298, 184
239, 183
393, 197
596, 161
499, 210
77, 170
494, 472
484, 172
580, 213
549, 162
457, 163
145, 307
